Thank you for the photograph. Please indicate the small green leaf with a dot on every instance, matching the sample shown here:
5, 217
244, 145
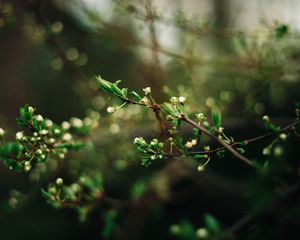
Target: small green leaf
212, 224
124, 92
77, 145
297, 105
116, 90
169, 108
216, 117
104, 85
136, 96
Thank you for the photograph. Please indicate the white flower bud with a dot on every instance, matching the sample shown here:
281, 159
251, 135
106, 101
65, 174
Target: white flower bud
136, 140
267, 151
188, 144
39, 152
153, 157
283, 136
39, 118
76, 122
181, 99
67, 137
65, 125
30, 109
56, 131
43, 132
19, 135
200, 116
202, 233
111, 109
59, 181
27, 168
194, 142
145, 100
174, 100
61, 156
201, 168
2, 132
147, 90
51, 140
266, 118
48, 123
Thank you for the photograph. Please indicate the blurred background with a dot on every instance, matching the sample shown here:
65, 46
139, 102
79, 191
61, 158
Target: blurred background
242, 56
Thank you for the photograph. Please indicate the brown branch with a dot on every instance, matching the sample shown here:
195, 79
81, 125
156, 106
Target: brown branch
225, 145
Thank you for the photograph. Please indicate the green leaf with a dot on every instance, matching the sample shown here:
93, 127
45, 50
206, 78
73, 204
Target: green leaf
116, 90
212, 224
109, 223
13, 164
272, 127
136, 96
281, 30
297, 105
169, 108
216, 117
138, 189
104, 85
125, 92
77, 145
10, 149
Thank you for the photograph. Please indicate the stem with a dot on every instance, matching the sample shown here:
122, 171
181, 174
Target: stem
223, 143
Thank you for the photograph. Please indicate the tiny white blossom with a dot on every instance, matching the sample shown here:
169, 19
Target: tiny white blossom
65, 125
283, 136
48, 123
51, 140
39, 152
188, 144
266, 118
30, 109
67, 137
111, 109
181, 99
87, 121
201, 168
147, 90
59, 181
202, 233
19, 135
43, 132
153, 157
174, 100
145, 100
2, 132
266, 151
39, 118
76, 122
194, 142
56, 131
200, 116
61, 155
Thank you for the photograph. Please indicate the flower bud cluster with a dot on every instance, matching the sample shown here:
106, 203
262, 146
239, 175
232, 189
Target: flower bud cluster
153, 150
